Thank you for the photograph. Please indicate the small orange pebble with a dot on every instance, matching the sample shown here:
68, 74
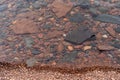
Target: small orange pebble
70, 48
87, 48
65, 19
52, 19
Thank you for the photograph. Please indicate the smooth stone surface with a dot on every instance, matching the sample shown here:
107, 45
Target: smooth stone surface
108, 18
79, 35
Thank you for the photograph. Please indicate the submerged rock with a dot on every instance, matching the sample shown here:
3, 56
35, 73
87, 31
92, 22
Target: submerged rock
79, 35
61, 7
24, 26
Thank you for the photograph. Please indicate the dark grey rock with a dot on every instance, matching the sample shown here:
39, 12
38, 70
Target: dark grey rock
79, 35
36, 51
69, 57
117, 29
108, 18
3, 7
77, 18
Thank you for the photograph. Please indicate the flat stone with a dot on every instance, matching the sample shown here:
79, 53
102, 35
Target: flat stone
79, 35
76, 18
105, 47
108, 18
61, 7
24, 26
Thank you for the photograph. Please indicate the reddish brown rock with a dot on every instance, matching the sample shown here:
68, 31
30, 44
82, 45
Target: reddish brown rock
61, 7
24, 26
53, 34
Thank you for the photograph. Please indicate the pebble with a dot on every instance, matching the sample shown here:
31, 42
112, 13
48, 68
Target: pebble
103, 9
108, 18
31, 62
105, 47
104, 36
48, 26
117, 29
70, 48
40, 35
35, 51
69, 57
116, 45
85, 5
2, 15
93, 11
77, 18
36, 5
111, 31
29, 42
3, 7
87, 48
60, 47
